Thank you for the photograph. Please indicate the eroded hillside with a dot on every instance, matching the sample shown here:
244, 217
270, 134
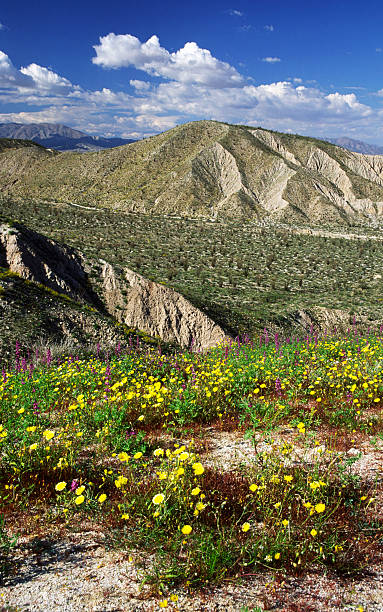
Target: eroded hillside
244, 276
207, 169
59, 293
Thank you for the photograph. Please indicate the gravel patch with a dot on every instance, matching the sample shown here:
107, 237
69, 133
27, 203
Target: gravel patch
76, 573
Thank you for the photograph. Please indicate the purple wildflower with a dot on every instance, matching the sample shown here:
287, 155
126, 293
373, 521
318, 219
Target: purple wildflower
74, 485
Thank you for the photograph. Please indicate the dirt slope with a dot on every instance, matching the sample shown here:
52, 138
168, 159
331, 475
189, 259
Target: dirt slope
207, 169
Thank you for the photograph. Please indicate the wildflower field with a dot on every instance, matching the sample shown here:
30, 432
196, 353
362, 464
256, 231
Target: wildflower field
118, 440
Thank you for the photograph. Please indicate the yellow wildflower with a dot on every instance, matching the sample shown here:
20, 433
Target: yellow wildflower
60, 486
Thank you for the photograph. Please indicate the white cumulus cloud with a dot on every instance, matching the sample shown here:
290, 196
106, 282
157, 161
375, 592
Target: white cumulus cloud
32, 80
10, 76
277, 103
191, 84
44, 78
191, 64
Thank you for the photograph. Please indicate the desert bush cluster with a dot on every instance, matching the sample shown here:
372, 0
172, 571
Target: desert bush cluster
242, 274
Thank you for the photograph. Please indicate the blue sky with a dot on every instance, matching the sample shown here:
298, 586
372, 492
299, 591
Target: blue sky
137, 68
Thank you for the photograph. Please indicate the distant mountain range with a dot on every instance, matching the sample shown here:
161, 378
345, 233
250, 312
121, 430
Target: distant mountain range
358, 146
59, 137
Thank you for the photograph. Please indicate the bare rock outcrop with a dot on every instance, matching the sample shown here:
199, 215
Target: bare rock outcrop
271, 188
345, 198
42, 260
272, 141
322, 320
369, 167
158, 310
127, 296
217, 169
